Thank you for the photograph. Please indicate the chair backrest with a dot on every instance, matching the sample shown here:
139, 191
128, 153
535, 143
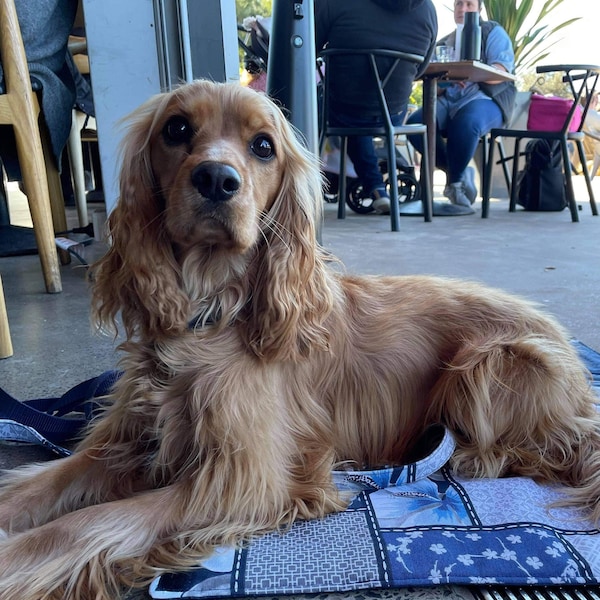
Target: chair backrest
382, 65
582, 81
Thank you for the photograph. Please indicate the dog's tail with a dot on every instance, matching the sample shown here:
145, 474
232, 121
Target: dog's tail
523, 407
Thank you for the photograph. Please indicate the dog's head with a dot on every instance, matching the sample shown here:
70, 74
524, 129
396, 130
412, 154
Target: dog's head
217, 158
217, 209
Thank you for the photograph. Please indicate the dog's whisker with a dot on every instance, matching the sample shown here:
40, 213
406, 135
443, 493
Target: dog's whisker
277, 229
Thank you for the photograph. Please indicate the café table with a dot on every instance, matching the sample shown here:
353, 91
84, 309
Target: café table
464, 70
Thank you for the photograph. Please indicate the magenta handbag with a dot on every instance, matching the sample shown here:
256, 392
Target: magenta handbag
548, 113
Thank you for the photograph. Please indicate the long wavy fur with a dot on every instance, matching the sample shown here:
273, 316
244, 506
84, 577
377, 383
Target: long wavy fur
251, 367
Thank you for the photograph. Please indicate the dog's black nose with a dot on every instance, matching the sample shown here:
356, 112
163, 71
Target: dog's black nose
216, 181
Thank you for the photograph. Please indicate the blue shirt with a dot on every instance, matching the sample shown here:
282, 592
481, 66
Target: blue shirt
498, 51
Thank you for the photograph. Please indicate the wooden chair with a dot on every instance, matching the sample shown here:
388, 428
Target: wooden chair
80, 134
387, 131
582, 80
20, 107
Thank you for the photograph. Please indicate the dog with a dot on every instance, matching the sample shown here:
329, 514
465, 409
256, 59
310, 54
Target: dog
252, 366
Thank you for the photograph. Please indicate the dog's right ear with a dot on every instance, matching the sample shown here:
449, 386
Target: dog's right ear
139, 275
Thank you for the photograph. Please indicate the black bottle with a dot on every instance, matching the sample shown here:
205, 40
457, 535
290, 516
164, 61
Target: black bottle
470, 47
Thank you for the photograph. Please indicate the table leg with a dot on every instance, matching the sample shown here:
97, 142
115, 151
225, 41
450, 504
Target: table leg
440, 209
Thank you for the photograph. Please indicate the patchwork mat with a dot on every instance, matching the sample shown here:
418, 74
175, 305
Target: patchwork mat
412, 526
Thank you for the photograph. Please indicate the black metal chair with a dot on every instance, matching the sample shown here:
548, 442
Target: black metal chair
382, 65
582, 80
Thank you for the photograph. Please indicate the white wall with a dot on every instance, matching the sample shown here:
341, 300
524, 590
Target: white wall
127, 63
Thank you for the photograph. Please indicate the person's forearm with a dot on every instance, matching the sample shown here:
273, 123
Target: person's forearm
500, 68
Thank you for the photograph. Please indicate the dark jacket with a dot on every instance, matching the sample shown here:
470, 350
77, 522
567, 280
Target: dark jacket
405, 25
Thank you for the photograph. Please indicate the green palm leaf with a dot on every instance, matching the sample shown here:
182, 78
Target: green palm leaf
531, 38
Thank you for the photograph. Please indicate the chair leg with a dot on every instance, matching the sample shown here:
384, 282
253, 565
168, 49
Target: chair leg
426, 187
569, 179
38, 197
6, 348
514, 191
342, 178
485, 151
57, 200
586, 174
487, 179
504, 160
76, 162
393, 181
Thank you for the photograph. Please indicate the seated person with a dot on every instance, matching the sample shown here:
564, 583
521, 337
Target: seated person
402, 25
467, 110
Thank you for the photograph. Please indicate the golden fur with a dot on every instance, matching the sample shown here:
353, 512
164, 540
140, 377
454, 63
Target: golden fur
229, 427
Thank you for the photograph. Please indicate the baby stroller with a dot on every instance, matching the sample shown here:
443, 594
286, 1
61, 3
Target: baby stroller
357, 198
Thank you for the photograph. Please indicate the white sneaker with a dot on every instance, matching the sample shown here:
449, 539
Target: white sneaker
456, 194
470, 189
381, 202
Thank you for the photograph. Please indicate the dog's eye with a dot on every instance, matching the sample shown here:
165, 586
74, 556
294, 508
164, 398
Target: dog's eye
177, 130
262, 146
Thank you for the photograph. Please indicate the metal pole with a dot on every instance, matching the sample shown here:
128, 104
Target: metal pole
291, 76
291, 73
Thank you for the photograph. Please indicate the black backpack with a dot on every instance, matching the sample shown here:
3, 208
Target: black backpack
542, 184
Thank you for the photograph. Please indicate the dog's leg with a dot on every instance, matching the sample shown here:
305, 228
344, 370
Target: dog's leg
108, 465
91, 552
523, 407
35, 494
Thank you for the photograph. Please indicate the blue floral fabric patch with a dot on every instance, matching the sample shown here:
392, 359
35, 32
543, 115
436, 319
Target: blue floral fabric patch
423, 533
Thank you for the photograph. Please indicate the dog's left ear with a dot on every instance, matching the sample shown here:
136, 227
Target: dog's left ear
291, 295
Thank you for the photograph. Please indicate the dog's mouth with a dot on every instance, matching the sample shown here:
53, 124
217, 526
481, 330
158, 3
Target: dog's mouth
211, 227
217, 231
210, 230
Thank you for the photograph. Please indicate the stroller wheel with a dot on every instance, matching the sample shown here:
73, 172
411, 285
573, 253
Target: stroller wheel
357, 199
409, 188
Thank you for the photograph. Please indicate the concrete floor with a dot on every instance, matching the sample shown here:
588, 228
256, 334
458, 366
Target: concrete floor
543, 256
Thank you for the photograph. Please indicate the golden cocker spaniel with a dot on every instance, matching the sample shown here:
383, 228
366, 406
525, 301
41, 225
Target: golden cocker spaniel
251, 368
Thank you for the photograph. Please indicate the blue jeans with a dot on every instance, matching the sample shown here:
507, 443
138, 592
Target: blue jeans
457, 137
361, 149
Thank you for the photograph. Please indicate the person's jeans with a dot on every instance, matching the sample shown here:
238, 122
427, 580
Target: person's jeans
361, 149
457, 138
